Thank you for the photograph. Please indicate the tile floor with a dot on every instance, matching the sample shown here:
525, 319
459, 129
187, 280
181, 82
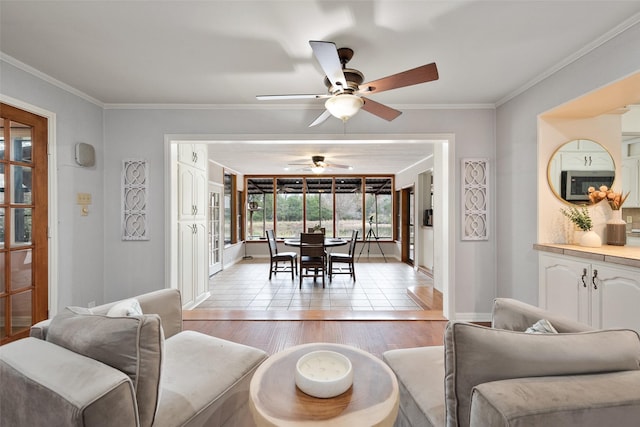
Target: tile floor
379, 287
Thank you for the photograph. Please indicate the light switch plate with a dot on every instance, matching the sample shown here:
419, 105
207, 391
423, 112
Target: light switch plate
84, 198
629, 219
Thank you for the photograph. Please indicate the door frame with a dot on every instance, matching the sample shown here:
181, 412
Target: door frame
444, 171
52, 194
406, 214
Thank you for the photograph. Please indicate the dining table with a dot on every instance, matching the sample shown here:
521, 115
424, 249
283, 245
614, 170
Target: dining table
329, 242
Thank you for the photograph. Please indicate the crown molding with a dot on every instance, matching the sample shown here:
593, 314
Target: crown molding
286, 107
47, 78
609, 35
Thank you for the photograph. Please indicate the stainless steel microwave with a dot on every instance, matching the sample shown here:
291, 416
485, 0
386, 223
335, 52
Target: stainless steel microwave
574, 185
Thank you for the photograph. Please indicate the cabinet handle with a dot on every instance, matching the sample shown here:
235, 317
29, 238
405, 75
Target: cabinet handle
584, 274
593, 279
194, 229
589, 160
194, 157
585, 160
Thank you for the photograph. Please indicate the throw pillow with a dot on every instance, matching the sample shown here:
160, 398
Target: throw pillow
128, 307
542, 326
131, 344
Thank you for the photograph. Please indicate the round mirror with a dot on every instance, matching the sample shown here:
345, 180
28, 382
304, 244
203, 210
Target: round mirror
577, 165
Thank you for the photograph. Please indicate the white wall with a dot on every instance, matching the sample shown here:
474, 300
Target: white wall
140, 132
96, 265
80, 245
516, 150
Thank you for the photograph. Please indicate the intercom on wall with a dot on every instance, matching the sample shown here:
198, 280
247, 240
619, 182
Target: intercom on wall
85, 154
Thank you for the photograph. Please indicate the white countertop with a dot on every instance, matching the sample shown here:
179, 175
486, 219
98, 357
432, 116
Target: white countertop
623, 255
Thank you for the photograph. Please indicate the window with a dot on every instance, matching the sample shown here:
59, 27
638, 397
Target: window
348, 191
379, 206
335, 203
289, 207
319, 204
259, 207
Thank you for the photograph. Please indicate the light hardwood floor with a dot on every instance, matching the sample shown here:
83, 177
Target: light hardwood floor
376, 337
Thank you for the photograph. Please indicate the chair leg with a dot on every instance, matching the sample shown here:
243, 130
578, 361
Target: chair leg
270, 269
291, 268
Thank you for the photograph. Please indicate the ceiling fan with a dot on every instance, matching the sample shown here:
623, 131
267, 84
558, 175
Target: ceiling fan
318, 165
345, 88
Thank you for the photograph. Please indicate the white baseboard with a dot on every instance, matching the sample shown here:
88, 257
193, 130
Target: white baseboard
473, 317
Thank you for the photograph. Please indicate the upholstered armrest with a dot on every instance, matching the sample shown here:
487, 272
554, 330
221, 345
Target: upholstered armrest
43, 383
579, 400
475, 355
39, 330
166, 303
514, 315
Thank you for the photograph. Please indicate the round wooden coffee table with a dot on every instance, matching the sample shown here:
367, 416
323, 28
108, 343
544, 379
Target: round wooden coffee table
372, 400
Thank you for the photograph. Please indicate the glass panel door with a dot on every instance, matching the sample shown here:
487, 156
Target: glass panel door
23, 222
214, 229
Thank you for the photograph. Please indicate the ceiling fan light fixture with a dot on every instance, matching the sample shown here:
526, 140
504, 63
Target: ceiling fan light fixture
317, 169
344, 105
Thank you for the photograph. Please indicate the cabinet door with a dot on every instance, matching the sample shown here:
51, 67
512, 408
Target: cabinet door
616, 301
199, 195
185, 262
630, 172
562, 290
200, 260
586, 161
186, 183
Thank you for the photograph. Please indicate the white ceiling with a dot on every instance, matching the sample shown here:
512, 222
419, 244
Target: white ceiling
226, 52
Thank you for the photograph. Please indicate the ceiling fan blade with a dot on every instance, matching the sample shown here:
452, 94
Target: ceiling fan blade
423, 74
380, 110
321, 118
301, 96
327, 55
333, 165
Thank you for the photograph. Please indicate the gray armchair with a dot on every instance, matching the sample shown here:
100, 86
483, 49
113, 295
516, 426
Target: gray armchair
501, 376
95, 368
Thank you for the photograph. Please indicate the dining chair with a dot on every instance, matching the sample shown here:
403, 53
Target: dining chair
276, 257
342, 258
312, 256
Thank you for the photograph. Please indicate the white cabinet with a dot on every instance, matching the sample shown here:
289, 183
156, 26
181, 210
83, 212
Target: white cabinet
191, 225
192, 261
586, 160
630, 171
193, 154
601, 294
192, 193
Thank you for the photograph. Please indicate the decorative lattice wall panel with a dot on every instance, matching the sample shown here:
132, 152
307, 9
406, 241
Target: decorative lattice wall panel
475, 199
135, 194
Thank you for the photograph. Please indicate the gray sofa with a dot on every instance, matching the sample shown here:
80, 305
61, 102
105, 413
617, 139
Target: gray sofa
87, 368
501, 376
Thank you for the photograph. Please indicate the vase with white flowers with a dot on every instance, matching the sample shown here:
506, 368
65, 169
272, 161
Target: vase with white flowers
582, 220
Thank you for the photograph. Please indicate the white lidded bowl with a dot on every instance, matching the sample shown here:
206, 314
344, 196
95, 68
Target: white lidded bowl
324, 373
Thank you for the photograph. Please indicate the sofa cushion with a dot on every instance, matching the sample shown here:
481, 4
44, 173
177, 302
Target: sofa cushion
582, 400
420, 373
476, 355
206, 380
132, 345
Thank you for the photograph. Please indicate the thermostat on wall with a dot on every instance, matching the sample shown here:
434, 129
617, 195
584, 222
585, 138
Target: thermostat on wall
85, 154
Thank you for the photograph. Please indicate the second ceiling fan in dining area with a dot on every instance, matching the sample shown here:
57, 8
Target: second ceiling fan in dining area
346, 89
